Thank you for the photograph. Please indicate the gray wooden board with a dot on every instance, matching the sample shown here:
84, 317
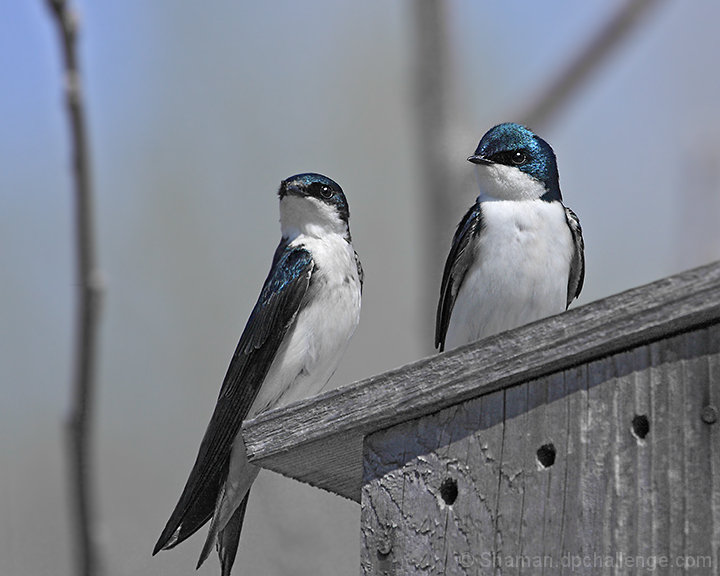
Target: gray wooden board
638, 383
555, 431
595, 469
628, 454
711, 397
481, 481
611, 502
572, 506
341, 418
677, 481
660, 457
399, 535
536, 477
511, 485
698, 528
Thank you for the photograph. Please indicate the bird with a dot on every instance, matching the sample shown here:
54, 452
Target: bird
300, 327
518, 254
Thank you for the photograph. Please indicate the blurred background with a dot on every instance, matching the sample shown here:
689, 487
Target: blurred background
196, 111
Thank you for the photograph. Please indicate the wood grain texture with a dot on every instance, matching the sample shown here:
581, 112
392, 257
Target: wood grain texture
620, 497
319, 440
711, 395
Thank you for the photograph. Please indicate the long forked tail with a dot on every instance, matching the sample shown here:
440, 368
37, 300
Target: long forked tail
229, 513
229, 538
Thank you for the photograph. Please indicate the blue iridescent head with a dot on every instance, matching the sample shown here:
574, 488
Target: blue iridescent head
316, 186
510, 149
313, 205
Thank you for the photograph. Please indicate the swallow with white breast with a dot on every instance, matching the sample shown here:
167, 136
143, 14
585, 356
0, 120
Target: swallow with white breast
518, 253
307, 311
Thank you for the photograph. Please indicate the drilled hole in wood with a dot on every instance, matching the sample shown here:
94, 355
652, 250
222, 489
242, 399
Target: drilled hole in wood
449, 491
640, 426
546, 455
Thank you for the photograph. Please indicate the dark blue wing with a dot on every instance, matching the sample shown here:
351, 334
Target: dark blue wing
577, 264
276, 309
456, 265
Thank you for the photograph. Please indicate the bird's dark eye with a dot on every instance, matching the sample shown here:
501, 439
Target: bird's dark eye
518, 158
321, 190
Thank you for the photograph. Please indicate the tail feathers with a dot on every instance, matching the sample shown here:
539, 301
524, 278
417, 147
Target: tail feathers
229, 538
232, 495
215, 527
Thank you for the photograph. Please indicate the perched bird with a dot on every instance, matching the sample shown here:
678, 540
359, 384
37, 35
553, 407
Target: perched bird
292, 343
518, 253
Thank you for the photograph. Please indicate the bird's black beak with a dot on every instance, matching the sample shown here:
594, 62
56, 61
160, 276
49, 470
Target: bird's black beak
288, 187
476, 159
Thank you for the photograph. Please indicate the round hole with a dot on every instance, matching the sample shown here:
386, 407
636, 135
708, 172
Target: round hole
449, 491
546, 455
640, 426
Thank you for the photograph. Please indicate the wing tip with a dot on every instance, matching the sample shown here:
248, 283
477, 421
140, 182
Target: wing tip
166, 541
439, 341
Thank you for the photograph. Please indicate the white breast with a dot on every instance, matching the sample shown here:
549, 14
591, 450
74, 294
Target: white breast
309, 354
314, 345
520, 271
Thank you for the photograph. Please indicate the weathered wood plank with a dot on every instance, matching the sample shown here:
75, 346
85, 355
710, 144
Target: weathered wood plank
344, 416
425, 470
461, 530
536, 475
482, 481
639, 383
555, 431
698, 526
659, 438
711, 418
672, 371
628, 455
511, 486
632, 488
380, 548
576, 455
417, 524
597, 470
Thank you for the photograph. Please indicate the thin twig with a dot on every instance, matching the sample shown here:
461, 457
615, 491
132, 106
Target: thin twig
438, 183
88, 308
587, 62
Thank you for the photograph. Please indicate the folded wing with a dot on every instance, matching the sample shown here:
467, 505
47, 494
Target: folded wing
276, 309
456, 266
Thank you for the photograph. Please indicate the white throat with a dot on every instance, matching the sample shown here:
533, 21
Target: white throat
501, 182
309, 216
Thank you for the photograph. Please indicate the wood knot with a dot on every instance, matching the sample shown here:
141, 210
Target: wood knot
709, 414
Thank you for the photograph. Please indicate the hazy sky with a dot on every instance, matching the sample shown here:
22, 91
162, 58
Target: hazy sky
196, 112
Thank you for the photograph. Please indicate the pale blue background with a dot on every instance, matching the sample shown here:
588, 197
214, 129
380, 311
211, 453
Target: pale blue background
196, 112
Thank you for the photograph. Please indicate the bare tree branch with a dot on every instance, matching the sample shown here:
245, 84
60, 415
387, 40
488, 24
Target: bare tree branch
587, 62
438, 183
88, 307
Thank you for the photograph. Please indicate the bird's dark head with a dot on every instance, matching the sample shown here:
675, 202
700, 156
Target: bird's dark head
312, 202
516, 164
